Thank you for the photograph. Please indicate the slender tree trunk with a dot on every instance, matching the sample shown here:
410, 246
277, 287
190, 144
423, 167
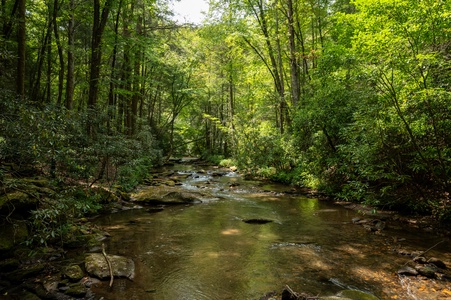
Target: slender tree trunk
111, 96
8, 22
48, 82
259, 12
21, 45
279, 66
60, 53
36, 82
294, 66
136, 80
100, 19
70, 79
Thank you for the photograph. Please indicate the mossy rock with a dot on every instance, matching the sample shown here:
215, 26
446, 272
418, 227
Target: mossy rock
166, 195
12, 234
74, 273
26, 272
9, 264
17, 201
357, 295
105, 195
28, 296
76, 291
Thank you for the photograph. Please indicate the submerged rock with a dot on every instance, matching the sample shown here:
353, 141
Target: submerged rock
408, 271
356, 295
437, 262
427, 271
96, 265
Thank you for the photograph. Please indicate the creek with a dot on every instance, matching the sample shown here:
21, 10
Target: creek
206, 251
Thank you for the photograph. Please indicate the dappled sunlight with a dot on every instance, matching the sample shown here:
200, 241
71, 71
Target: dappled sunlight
356, 252
114, 227
213, 254
308, 244
267, 236
232, 231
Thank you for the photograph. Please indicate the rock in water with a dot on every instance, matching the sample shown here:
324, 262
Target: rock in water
96, 265
437, 262
357, 295
428, 271
408, 271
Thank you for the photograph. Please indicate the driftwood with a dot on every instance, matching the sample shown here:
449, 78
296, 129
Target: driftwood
424, 252
109, 265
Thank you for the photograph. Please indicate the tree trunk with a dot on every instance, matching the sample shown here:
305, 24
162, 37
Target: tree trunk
111, 96
21, 46
136, 81
70, 79
100, 19
294, 66
60, 53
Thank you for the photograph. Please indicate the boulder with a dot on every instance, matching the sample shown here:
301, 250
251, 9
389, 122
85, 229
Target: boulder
25, 272
18, 201
76, 291
97, 266
166, 196
437, 262
426, 271
9, 265
73, 273
408, 271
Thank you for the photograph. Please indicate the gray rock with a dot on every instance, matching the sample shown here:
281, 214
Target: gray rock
420, 260
96, 265
427, 271
355, 220
408, 271
437, 262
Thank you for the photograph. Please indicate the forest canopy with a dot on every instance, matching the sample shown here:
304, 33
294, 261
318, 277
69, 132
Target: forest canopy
352, 98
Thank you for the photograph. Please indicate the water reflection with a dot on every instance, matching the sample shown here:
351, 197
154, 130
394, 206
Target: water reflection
205, 251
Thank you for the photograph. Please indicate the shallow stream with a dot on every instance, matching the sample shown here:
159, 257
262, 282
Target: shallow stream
206, 251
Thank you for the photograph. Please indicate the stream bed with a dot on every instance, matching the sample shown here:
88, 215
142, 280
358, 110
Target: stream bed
207, 251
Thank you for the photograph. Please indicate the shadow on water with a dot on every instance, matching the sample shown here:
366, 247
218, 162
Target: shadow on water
206, 251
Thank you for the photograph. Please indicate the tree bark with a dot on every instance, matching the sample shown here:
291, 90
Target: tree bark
70, 79
60, 53
294, 66
100, 19
21, 45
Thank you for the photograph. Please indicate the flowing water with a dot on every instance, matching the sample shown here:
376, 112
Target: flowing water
206, 251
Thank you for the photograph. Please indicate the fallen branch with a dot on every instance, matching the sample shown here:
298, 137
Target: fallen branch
109, 265
424, 252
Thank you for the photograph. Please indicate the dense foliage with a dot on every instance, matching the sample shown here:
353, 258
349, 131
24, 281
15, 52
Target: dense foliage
349, 97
